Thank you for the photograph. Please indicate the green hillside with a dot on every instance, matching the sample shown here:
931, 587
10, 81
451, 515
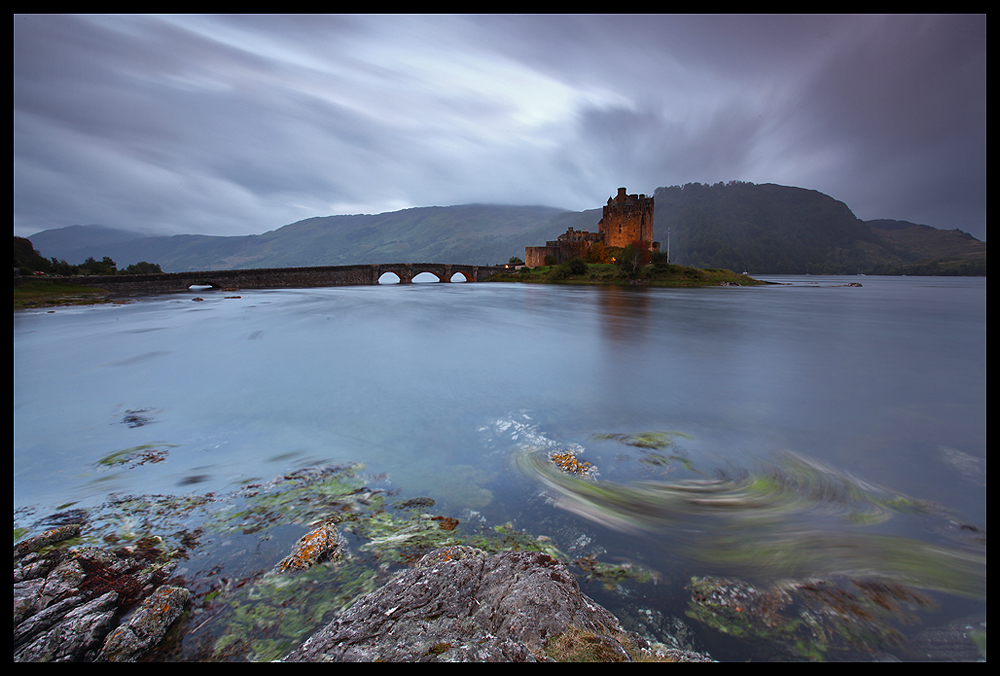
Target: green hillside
931, 251
470, 234
762, 229
785, 230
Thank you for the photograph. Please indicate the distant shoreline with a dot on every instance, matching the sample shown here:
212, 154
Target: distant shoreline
663, 275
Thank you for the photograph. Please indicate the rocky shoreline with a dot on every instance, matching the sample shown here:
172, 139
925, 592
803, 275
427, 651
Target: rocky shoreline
68, 602
373, 577
458, 603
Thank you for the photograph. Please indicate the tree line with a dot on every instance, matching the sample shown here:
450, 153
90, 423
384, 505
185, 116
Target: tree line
27, 261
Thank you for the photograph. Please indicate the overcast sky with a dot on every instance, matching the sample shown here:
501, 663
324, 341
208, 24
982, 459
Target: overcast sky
234, 125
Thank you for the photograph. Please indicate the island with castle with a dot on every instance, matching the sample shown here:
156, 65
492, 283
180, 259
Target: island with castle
622, 251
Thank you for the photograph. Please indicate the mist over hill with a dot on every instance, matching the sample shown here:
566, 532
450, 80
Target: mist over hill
64, 242
740, 226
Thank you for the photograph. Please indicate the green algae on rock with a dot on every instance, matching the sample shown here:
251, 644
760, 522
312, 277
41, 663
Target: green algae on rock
810, 618
656, 449
611, 575
265, 619
257, 602
464, 604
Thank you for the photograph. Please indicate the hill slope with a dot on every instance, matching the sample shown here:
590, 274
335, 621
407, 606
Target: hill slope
62, 243
471, 234
738, 226
932, 251
786, 230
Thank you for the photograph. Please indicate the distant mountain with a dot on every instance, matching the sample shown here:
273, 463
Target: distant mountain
476, 234
63, 243
740, 226
932, 251
777, 229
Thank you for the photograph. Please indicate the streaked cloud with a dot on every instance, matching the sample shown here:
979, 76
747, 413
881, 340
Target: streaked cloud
241, 124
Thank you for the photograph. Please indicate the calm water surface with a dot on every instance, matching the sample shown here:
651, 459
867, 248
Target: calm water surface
444, 387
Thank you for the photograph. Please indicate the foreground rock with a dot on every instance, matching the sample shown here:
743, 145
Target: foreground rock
66, 602
77, 603
146, 627
461, 604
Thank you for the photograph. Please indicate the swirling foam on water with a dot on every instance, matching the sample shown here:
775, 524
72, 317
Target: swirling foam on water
793, 516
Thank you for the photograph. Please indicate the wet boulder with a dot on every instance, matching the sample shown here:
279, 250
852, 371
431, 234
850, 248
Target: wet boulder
67, 601
461, 604
147, 626
69, 631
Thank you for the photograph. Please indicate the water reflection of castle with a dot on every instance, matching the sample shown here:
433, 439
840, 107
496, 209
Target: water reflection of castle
626, 219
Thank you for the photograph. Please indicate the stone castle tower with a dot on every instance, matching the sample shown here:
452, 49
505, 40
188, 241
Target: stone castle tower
627, 219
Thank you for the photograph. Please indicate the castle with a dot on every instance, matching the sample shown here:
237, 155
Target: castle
626, 219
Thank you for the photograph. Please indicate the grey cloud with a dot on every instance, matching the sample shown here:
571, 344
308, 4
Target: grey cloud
906, 103
235, 124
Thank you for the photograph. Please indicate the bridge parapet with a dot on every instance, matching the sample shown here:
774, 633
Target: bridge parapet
280, 278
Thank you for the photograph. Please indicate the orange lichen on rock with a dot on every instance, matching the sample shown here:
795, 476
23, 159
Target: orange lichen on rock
319, 544
567, 462
447, 522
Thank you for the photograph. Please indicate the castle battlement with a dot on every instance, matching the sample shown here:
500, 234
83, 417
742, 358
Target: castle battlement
627, 218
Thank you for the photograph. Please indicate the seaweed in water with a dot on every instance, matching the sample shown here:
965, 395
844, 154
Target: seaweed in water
809, 618
135, 456
136, 417
792, 518
240, 613
658, 450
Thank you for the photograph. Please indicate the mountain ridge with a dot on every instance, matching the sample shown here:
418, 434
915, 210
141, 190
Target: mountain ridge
765, 228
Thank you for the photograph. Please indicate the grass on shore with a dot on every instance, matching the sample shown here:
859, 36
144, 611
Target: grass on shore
660, 275
35, 293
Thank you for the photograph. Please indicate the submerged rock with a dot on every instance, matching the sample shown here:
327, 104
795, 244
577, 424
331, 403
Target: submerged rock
854, 618
963, 640
461, 604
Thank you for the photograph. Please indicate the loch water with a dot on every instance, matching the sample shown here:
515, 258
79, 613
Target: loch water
860, 401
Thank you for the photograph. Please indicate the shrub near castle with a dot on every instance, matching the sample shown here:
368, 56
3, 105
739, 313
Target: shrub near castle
658, 273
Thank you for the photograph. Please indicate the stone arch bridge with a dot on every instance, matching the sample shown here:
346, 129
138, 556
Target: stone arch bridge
279, 278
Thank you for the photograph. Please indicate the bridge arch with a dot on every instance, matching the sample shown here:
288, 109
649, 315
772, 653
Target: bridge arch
427, 277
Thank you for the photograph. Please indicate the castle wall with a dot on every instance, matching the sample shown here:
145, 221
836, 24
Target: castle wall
571, 244
535, 255
570, 249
